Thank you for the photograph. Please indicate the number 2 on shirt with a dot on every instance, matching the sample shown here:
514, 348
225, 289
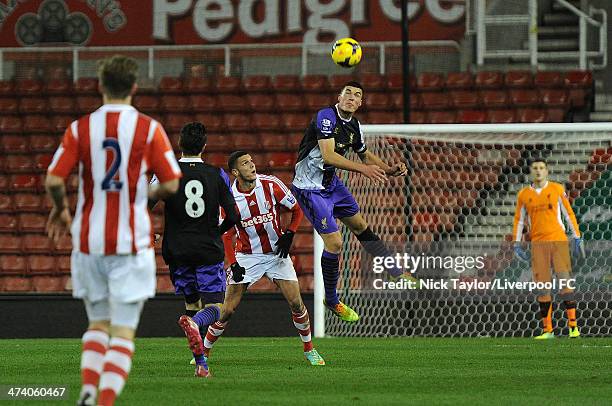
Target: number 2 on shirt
108, 183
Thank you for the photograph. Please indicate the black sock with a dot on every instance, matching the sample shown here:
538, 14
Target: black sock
377, 248
191, 313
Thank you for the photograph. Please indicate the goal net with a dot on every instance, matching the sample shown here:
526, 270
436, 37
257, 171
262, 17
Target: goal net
454, 213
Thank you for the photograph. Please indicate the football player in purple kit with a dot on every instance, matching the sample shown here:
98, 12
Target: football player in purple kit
322, 195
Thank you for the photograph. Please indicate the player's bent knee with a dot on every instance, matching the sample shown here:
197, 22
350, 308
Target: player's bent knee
333, 243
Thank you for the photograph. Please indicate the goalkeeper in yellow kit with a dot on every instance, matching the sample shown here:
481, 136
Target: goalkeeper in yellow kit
542, 205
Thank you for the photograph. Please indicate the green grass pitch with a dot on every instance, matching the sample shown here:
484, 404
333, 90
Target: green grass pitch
366, 371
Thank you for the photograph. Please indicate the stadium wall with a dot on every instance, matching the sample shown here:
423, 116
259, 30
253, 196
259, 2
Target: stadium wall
62, 316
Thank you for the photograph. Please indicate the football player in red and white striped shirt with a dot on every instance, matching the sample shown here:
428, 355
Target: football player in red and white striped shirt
262, 248
113, 261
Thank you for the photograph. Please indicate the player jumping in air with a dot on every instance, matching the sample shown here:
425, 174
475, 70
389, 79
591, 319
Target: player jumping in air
192, 245
542, 205
113, 261
322, 195
262, 248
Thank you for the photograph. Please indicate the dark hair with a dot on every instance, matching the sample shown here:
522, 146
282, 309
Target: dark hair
352, 83
117, 75
533, 161
193, 138
231, 162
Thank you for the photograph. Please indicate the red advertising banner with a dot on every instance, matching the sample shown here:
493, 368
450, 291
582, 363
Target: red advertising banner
157, 22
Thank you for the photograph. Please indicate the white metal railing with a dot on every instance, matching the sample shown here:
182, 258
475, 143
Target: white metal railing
585, 58
304, 52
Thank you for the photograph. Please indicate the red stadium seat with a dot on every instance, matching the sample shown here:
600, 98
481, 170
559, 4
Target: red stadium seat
289, 102
295, 122
58, 87
10, 244
85, 86
64, 245
471, 117
237, 122
60, 123
14, 143
7, 88
146, 103
434, 101
246, 141
464, 99
501, 116
395, 82
489, 80
6, 205
36, 243
4, 183
280, 159
24, 182
32, 105
37, 124
377, 101
228, 84
88, 104
8, 105
13, 264
273, 141
260, 102
61, 104
554, 98
63, 264
28, 202
219, 160
198, 85
212, 122
265, 122
219, 142
418, 117
230, 102
257, 83
28, 87
10, 124
32, 223
494, 98
8, 223
174, 122
18, 163
373, 82
286, 83
174, 104
44, 264
518, 79
441, 117
397, 101
315, 83
169, 84
294, 140
42, 162
430, 82
47, 283
524, 98
579, 79
383, 117
556, 115
315, 102
203, 103
336, 82
459, 80
532, 116
548, 79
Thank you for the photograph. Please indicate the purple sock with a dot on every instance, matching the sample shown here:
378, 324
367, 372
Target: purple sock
329, 265
206, 317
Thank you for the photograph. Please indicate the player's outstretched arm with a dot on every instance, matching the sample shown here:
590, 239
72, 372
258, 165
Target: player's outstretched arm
370, 158
331, 157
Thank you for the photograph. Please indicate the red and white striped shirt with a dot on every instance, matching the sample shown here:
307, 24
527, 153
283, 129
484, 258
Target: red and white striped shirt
260, 227
115, 147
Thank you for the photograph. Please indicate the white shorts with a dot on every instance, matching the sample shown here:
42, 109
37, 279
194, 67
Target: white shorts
270, 265
116, 278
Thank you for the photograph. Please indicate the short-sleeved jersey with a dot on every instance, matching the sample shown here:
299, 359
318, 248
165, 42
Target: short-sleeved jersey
310, 170
543, 209
259, 227
115, 147
191, 229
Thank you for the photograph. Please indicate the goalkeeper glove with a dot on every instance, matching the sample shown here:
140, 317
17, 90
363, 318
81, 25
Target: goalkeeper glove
237, 272
521, 253
284, 244
578, 247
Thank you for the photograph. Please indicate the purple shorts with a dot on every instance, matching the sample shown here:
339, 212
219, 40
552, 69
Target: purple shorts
323, 207
191, 280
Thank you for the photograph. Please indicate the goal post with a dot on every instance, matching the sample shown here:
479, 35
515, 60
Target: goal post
458, 201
